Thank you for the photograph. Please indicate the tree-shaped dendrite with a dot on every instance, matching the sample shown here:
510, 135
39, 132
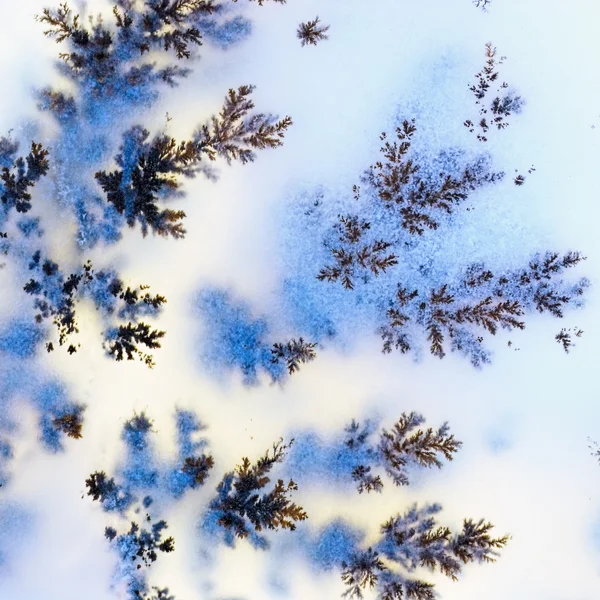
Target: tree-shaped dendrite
194, 464
149, 170
393, 565
113, 67
235, 339
311, 32
243, 505
140, 545
354, 255
293, 353
106, 59
454, 314
482, 301
494, 113
128, 495
56, 298
406, 446
105, 490
18, 174
365, 453
100, 53
414, 541
246, 502
415, 200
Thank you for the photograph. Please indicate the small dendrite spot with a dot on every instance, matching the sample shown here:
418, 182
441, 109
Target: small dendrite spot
483, 4
293, 353
71, 423
139, 545
564, 337
595, 448
311, 32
